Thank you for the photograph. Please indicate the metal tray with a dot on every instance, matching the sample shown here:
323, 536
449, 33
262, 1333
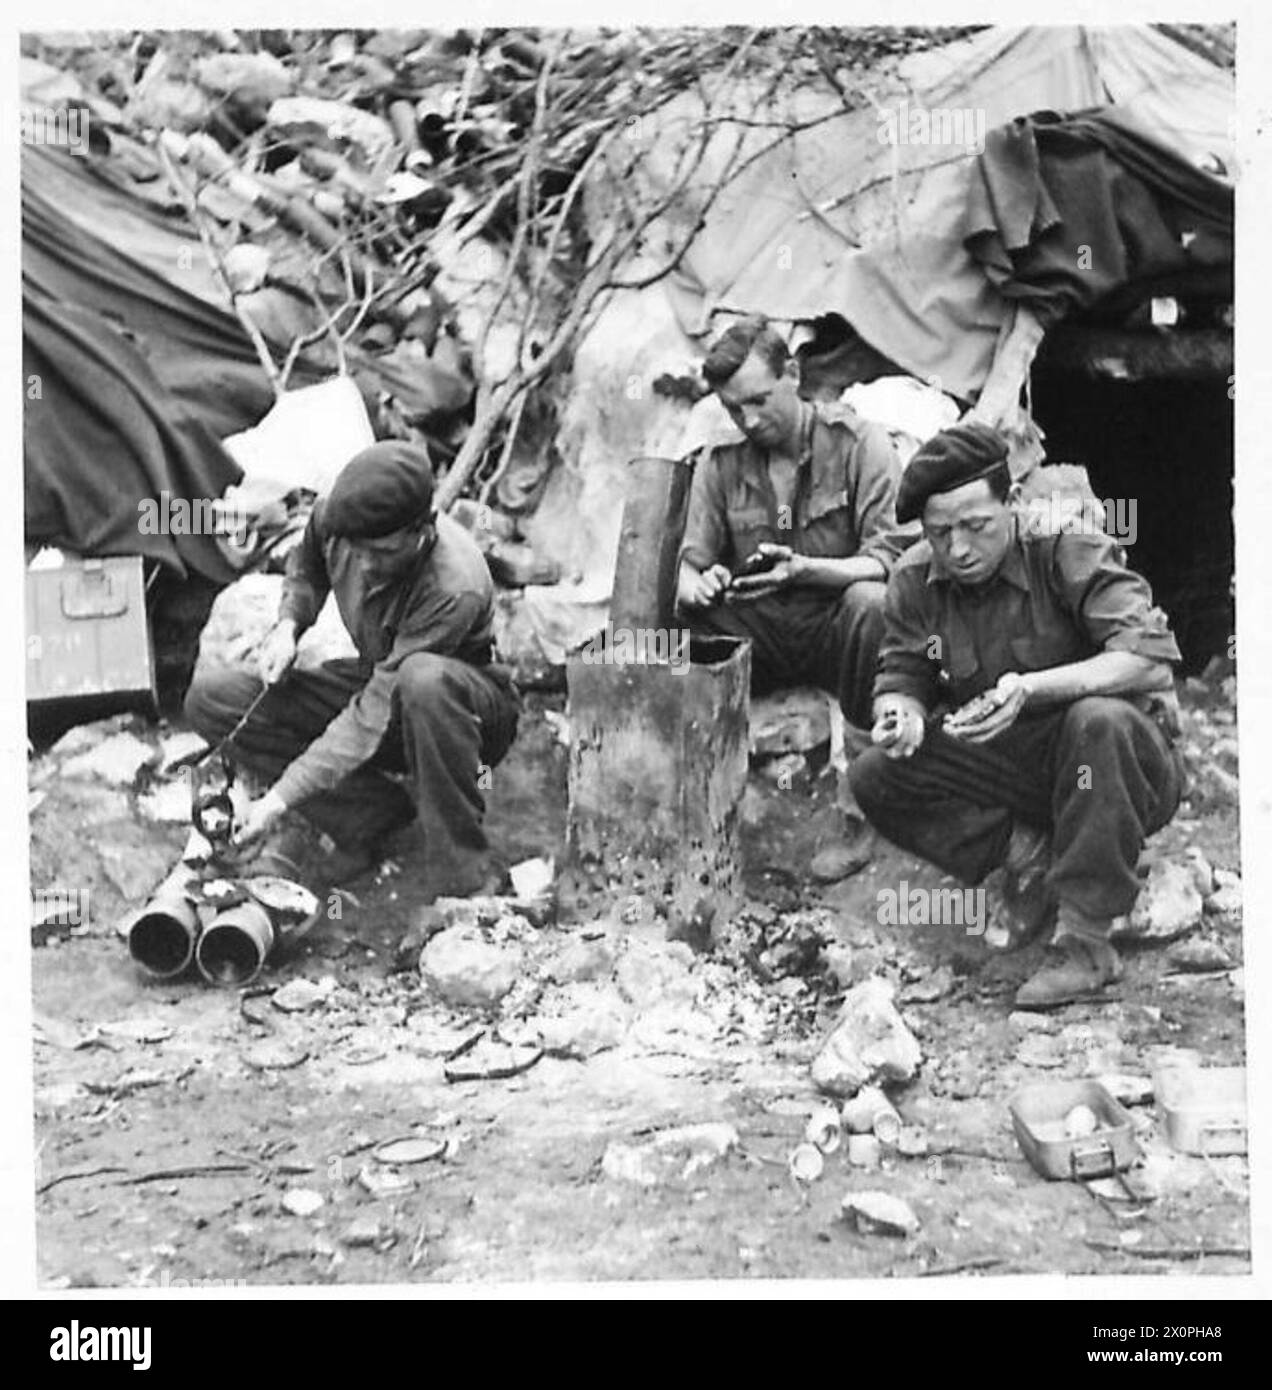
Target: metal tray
1204, 1108
1038, 1114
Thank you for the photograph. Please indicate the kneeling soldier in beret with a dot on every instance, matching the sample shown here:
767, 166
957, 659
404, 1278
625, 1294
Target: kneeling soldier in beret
422, 698
1023, 710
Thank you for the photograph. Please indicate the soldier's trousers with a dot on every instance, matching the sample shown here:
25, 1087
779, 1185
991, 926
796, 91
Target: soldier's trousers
1097, 775
449, 720
804, 637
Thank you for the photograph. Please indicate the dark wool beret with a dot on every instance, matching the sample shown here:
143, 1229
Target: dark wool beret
382, 489
958, 455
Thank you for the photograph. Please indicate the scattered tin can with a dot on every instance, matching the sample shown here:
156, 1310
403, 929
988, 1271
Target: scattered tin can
912, 1141
823, 1129
863, 1150
871, 1112
806, 1163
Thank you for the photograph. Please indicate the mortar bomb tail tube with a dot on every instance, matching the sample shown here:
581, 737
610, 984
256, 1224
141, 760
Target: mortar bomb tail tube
235, 945
162, 935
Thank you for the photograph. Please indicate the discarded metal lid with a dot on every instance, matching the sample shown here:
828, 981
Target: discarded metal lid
384, 1182
282, 895
410, 1149
491, 1061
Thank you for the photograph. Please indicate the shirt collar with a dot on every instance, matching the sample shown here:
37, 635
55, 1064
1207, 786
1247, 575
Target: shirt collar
1012, 568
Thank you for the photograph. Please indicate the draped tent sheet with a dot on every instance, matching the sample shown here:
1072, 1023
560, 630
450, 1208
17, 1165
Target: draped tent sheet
834, 219
143, 368
104, 434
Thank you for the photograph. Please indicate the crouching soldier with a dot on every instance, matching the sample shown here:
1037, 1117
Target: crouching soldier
1023, 710
422, 698
791, 530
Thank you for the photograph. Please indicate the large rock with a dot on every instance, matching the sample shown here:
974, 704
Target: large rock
650, 973
794, 721
580, 960
464, 968
1168, 905
1226, 899
117, 761
870, 1044
673, 1153
596, 1019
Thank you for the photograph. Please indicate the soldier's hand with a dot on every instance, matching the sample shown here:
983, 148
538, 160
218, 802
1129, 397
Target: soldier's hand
898, 730
277, 652
769, 581
1008, 699
700, 589
261, 814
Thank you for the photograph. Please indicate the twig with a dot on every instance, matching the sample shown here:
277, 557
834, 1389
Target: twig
75, 1174
193, 1170
940, 1271
417, 1250
1170, 1252
214, 256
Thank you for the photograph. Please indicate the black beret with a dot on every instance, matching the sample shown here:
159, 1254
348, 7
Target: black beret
958, 455
382, 489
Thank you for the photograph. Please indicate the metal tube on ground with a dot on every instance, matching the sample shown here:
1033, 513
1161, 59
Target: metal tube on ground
163, 935
235, 945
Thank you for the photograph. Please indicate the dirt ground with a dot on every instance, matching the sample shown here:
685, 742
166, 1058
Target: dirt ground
177, 1160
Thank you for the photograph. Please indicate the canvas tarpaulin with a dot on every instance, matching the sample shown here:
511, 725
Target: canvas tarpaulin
142, 371
835, 219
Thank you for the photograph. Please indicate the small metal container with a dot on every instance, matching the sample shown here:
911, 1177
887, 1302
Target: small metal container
1038, 1116
1204, 1108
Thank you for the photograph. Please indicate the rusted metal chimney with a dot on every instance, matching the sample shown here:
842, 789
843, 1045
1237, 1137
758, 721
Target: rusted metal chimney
658, 753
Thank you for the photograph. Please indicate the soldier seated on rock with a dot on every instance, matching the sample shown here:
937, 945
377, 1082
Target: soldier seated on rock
1024, 710
422, 698
791, 530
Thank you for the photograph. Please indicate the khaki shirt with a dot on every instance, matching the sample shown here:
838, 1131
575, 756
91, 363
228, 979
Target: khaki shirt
449, 610
1056, 599
844, 504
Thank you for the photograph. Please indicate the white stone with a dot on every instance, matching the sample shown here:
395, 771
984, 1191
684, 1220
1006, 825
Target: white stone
117, 761
794, 721
168, 804
302, 1201
673, 1153
870, 1044
463, 968
1168, 905
880, 1213
598, 1022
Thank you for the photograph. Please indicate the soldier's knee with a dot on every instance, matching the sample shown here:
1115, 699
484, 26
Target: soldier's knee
207, 701
869, 776
1099, 716
422, 680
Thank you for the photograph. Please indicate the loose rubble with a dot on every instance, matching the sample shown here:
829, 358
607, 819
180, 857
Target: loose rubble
870, 1043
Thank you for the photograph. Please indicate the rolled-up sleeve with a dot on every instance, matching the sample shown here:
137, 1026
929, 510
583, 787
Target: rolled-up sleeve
705, 527
306, 582
1113, 604
876, 471
906, 666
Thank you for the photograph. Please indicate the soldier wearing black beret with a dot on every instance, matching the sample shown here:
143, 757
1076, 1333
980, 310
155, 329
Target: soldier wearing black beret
423, 696
1022, 711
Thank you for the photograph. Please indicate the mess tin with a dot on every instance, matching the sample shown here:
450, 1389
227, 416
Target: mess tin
1204, 1108
1038, 1115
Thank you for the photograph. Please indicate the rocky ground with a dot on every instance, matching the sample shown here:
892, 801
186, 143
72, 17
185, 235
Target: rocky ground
542, 1101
